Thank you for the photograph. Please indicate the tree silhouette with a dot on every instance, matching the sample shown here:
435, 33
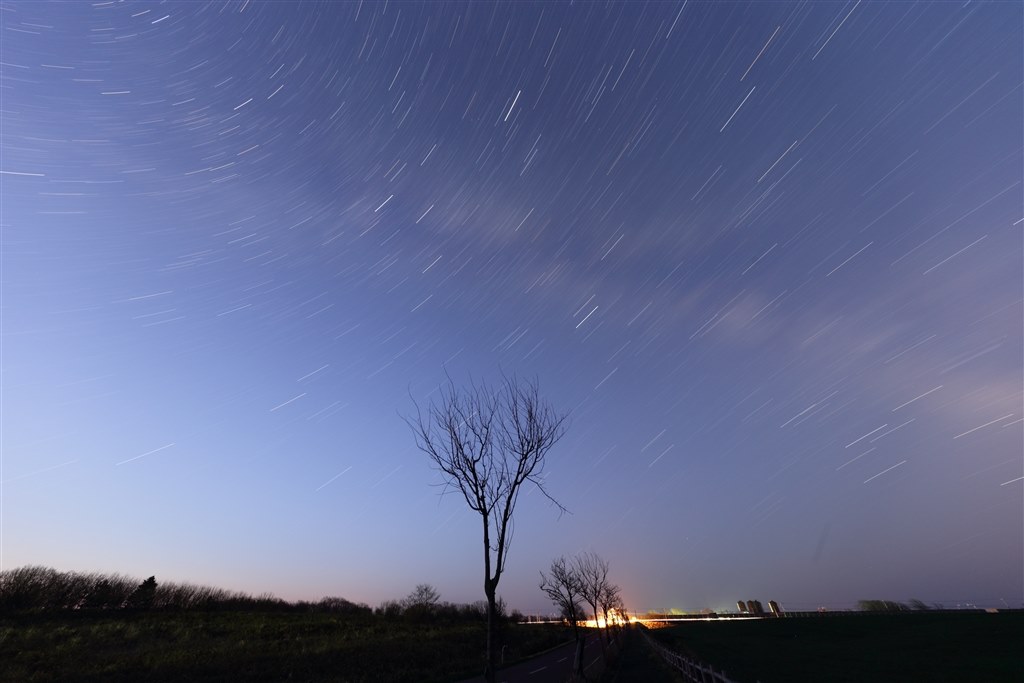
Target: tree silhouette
143, 596
564, 587
424, 595
611, 599
487, 443
592, 570
422, 602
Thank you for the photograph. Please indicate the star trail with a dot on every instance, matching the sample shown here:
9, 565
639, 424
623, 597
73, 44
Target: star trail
767, 255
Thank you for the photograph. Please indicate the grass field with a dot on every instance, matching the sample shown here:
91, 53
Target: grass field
937, 647
249, 646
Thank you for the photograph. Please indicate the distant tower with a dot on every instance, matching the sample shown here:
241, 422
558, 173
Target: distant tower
774, 607
742, 606
758, 608
751, 607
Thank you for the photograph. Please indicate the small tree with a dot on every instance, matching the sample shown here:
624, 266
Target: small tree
593, 575
422, 602
610, 601
424, 595
143, 596
487, 443
564, 588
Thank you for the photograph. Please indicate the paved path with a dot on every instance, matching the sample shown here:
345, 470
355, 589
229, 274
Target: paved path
554, 666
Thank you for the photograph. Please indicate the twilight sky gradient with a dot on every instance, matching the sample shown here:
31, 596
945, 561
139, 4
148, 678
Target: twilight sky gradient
769, 256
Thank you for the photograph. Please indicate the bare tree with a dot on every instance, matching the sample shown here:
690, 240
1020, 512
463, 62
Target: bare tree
487, 443
422, 602
564, 587
593, 574
610, 600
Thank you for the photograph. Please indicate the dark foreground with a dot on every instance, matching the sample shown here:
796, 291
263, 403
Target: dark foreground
619, 656
250, 646
927, 646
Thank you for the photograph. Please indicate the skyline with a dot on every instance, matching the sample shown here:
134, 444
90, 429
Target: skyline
767, 256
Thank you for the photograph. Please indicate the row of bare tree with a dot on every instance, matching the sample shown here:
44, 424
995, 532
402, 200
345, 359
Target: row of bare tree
42, 589
577, 582
33, 588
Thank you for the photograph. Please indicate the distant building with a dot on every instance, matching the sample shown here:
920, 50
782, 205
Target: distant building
742, 606
774, 607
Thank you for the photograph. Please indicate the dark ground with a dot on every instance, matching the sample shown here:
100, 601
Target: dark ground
249, 646
638, 663
937, 647
254, 646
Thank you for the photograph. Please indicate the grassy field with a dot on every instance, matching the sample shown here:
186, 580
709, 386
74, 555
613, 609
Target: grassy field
926, 646
249, 646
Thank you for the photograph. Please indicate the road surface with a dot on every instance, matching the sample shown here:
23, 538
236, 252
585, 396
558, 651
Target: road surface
554, 666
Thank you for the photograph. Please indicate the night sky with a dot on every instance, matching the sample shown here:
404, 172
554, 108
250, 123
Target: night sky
767, 255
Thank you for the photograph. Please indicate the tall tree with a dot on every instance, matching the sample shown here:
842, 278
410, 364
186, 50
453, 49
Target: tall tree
487, 443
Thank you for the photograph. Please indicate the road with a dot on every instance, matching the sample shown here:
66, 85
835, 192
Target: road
554, 666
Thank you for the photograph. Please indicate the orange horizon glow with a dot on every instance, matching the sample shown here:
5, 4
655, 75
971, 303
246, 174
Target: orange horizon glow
610, 618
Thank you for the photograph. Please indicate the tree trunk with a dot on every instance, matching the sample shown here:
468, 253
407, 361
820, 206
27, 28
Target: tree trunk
601, 636
490, 671
577, 662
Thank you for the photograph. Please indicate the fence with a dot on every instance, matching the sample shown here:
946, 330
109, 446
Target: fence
692, 670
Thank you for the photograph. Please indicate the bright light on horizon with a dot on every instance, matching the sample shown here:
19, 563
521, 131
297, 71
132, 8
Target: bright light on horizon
610, 618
